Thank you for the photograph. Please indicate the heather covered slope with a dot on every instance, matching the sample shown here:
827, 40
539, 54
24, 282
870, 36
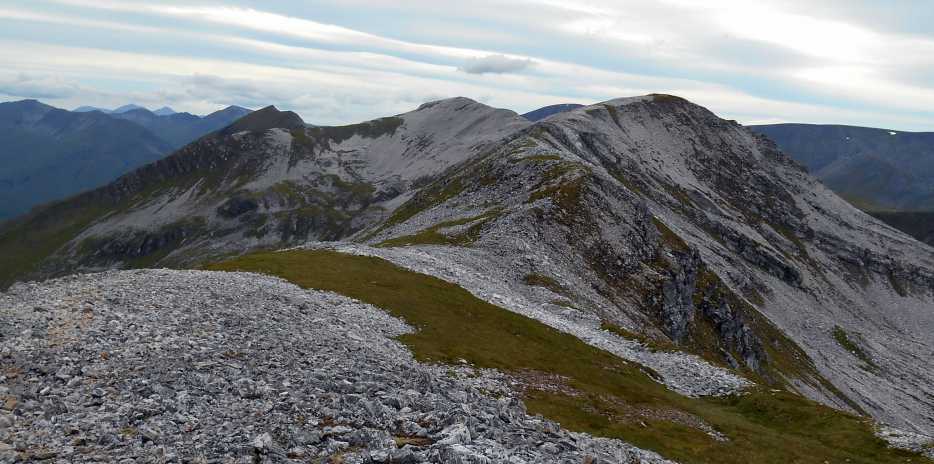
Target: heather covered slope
584, 388
544, 112
918, 224
170, 366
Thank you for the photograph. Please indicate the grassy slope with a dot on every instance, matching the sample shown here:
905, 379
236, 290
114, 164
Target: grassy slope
26, 242
433, 235
611, 397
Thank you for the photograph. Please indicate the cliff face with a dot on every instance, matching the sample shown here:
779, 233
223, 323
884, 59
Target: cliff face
648, 217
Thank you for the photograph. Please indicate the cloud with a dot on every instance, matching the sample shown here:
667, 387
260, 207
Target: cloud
495, 64
774, 59
32, 86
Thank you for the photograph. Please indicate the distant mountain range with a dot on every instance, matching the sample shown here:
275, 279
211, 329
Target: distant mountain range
164, 111
875, 169
179, 129
47, 153
887, 173
543, 113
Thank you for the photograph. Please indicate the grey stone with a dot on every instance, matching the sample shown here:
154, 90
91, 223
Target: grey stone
186, 378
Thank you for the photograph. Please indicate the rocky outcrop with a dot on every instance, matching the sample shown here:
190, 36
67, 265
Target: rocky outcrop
264, 119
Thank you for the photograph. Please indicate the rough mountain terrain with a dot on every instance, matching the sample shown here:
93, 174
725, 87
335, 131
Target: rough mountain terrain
265, 181
883, 172
918, 224
167, 366
646, 227
118, 110
49, 154
658, 216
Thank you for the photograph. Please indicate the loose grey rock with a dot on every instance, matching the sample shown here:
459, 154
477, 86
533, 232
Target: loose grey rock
192, 366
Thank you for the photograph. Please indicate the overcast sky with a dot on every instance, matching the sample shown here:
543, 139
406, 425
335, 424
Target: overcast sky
834, 61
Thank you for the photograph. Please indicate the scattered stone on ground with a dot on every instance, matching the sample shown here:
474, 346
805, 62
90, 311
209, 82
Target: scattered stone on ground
190, 366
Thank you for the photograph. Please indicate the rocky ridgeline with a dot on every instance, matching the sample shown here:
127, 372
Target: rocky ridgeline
192, 366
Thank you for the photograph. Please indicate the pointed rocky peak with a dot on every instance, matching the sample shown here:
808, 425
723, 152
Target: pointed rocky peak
448, 101
264, 119
232, 110
137, 113
661, 101
26, 105
653, 110
164, 111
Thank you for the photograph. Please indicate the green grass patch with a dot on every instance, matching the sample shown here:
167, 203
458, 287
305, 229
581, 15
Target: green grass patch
317, 138
434, 236
536, 158
565, 195
679, 193
651, 343
665, 98
785, 359
896, 284
615, 398
431, 196
844, 340
669, 237
563, 303
540, 280
26, 242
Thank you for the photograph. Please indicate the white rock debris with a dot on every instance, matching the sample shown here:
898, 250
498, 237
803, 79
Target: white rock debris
475, 271
908, 441
194, 366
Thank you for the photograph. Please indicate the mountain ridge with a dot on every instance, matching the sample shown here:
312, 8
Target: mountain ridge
69, 152
649, 214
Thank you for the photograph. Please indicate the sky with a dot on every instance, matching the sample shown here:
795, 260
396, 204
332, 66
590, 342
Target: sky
858, 62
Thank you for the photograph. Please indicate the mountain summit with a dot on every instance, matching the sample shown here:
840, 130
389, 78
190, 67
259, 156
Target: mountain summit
264, 119
164, 111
